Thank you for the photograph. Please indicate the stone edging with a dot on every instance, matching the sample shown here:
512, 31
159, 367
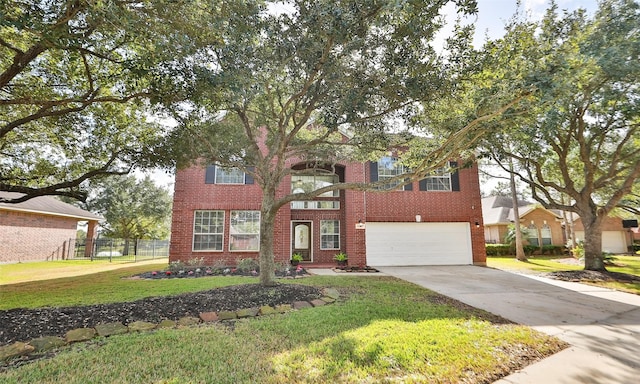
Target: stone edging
45, 343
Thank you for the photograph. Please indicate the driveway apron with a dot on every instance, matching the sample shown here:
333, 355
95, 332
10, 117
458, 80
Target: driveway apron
602, 325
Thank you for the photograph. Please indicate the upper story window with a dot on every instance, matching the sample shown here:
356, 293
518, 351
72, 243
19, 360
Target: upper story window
439, 180
442, 179
216, 174
388, 168
310, 183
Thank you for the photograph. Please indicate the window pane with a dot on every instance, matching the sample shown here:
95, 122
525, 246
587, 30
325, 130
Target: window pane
388, 168
545, 234
208, 228
329, 234
439, 180
244, 231
229, 176
329, 204
310, 183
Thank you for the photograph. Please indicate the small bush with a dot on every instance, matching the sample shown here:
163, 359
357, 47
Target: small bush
248, 265
498, 249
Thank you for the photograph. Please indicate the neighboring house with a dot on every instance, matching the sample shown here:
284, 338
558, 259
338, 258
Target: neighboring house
437, 220
40, 228
544, 225
615, 238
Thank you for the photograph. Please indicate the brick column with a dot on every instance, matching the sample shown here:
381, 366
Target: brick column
91, 236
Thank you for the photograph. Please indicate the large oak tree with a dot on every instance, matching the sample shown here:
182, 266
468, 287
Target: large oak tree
323, 82
77, 78
578, 135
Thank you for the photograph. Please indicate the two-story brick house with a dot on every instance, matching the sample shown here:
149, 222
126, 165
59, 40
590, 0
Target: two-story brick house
433, 221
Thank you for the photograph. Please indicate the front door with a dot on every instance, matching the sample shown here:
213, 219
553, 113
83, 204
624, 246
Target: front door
301, 239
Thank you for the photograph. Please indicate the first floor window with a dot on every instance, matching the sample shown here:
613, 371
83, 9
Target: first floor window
329, 234
208, 229
533, 235
545, 234
244, 231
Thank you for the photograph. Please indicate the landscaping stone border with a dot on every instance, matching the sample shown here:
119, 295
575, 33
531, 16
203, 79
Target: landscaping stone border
46, 343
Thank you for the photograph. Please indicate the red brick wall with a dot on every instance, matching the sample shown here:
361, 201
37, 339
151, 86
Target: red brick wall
33, 237
191, 193
435, 206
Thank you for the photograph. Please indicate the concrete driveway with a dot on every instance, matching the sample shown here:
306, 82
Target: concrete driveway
602, 325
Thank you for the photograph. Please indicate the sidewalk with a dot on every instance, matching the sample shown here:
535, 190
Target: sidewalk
602, 325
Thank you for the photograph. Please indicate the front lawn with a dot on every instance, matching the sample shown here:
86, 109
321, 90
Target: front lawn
381, 330
629, 265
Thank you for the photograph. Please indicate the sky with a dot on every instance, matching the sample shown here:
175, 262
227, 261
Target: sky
490, 20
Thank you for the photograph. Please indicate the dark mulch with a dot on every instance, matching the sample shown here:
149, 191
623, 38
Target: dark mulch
593, 276
26, 324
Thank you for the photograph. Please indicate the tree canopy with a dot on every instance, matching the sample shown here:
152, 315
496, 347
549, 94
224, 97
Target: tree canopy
325, 82
133, 209
77, 79
578, 135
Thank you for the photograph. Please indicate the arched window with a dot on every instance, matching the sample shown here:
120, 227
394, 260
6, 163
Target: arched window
533, 235
545, 234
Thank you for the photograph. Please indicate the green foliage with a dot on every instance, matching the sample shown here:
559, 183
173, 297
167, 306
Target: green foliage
340, 257
297, 257
133, 209
247, 265
510, 236
575, 138
498, 249
78, 80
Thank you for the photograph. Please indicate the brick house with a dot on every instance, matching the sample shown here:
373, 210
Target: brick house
437, 220
615, 238
40, 228
545, 226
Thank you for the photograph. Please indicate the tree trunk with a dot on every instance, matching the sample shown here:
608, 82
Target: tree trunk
516, 213
593, 260
267, 222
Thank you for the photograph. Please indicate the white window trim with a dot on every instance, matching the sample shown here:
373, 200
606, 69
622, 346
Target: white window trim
445, 176
218, 167
400, 167
257, 235
330, 234
193, 236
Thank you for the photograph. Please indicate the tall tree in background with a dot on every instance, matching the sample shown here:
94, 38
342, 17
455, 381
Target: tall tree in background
76, 80
579, 133
133, 209
324, 82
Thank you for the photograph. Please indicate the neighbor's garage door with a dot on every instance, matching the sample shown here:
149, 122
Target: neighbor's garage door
612, 241
397, 244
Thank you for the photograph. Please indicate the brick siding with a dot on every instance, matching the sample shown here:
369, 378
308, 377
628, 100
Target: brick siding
191, 193
33, 237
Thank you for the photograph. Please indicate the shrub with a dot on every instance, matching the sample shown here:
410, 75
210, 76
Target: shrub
247, 265
498, 249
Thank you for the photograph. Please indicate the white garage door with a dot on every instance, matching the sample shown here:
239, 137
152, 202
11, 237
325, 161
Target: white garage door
612, 241
398, 244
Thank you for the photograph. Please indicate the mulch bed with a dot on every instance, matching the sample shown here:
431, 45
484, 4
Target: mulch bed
25, 324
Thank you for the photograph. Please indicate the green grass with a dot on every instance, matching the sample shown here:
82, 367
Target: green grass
45, 270
104, 287
382, 330
622, 264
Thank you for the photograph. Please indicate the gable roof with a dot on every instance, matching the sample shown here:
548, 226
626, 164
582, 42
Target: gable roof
499, 210
46, 205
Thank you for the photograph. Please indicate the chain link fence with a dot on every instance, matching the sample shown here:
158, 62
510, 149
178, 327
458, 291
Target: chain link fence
117, 249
